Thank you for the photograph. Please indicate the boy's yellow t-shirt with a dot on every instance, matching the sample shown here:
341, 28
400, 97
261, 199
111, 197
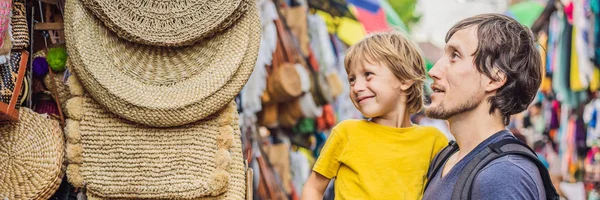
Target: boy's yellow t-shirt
373, 161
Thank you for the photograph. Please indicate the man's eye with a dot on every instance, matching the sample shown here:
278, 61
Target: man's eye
455, 55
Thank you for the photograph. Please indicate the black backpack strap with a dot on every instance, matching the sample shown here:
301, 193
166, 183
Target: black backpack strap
516, 147
466, 177
439, 160
509, 146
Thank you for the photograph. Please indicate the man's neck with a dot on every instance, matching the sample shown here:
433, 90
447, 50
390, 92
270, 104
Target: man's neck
473, 127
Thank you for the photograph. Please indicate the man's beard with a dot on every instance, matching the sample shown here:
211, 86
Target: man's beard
440, 112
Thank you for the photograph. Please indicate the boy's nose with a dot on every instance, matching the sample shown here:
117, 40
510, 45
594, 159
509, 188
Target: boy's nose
359, 86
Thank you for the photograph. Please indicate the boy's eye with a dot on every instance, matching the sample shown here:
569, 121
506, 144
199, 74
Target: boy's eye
351, 79
368, 73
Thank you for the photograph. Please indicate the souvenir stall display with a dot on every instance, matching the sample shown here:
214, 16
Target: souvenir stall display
192, 101
561, 123
290, 101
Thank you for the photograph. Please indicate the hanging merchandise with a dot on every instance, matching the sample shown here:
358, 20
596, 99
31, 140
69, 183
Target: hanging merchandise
57, 59
117, 63
591, 116
257, 83
347, 29
279, 157
283, 82
301, 170
295, 18
13, 88
166, 94
20, 28
307, 103
327, 120
580, 42
31, 156
592, 164
290, 113
371, 15
323, 52
320, 41
321, 90
595, 8
5, 30
305, 126
54, 81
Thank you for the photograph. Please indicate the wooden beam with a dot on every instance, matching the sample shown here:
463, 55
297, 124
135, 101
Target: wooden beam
54, 26
12, 116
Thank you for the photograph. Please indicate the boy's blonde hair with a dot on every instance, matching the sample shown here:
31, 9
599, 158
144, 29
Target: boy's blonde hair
400, 55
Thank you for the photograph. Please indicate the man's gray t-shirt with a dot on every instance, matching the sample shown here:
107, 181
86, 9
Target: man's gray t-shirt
508, 177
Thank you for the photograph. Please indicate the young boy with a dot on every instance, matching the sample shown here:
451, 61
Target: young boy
385, 157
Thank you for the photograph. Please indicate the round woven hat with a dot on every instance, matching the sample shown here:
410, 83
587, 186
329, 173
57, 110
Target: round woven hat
31, 157
118, 159
161, 86
167, 22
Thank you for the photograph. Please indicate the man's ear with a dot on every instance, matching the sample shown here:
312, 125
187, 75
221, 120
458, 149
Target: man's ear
404, 85
497, 80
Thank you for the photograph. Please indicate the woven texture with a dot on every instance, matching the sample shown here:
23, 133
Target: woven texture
9, 73
122, 159
160, 86
167, 22
31, 157
5, 36
20, 31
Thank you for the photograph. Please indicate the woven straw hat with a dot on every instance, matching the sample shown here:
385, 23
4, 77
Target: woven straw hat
31, 157
161, 86
166, 23
116, 159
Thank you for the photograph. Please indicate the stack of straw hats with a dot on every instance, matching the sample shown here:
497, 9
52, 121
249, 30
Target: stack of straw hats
151, 113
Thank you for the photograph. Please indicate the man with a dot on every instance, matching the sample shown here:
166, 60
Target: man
490, 70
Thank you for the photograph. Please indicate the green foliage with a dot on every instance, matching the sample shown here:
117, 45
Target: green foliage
406, 10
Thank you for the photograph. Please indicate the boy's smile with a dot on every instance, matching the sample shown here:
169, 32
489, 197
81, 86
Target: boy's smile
362, 99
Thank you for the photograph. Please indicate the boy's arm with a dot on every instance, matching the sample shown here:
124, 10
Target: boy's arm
315, 187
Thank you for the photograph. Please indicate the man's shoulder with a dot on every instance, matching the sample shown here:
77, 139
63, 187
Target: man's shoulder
512, 175
517, 165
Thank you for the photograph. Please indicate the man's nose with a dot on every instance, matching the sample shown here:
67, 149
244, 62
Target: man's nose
435, 72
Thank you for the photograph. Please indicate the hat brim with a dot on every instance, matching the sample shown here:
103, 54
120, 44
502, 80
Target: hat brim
31, 157
201, 159
160, 23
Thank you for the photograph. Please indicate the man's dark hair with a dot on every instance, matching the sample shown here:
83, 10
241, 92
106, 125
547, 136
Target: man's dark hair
508, 47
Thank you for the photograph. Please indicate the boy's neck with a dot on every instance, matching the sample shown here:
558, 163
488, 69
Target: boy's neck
392, 122
473, 127
400, 118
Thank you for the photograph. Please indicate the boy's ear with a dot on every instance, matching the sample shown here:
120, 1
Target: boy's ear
404, 85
